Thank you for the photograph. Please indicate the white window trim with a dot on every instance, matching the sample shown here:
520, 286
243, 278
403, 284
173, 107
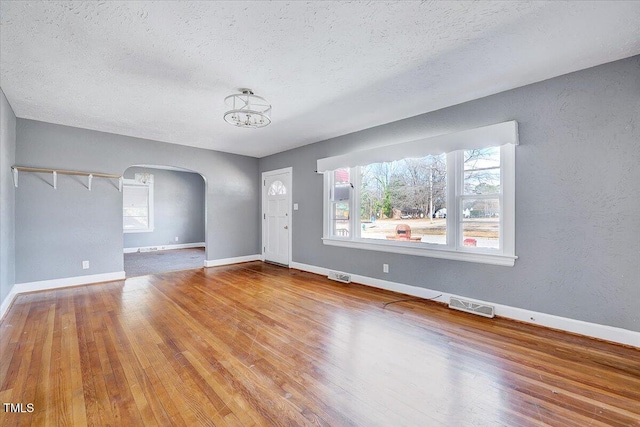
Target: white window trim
136, 183
405, 249
454, 250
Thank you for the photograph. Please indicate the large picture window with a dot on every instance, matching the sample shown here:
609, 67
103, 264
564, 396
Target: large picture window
407, 192
455, 205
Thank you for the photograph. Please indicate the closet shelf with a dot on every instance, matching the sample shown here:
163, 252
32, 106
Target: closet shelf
55, 172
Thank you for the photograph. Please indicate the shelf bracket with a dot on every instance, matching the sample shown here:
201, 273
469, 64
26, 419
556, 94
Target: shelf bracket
55, 180
89, 181
15, 177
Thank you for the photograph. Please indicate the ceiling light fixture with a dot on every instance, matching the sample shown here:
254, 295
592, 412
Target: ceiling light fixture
247, 110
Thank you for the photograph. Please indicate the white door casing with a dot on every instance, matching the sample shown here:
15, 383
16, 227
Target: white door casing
276, 216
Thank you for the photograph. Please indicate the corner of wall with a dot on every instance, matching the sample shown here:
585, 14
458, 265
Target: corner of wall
7, 200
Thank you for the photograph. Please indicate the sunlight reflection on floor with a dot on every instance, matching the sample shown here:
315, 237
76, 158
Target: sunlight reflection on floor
373, 348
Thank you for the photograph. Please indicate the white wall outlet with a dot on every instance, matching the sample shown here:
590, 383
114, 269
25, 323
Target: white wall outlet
295, 206
385, 268
85, 265
177, 238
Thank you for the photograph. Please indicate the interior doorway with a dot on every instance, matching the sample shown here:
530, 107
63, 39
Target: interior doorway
276, 216
164, 220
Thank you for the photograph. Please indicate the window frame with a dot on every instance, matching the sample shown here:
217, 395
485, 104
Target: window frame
150, 203
454, 248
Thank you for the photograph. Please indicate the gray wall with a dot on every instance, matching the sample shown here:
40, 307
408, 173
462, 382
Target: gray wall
7, 197
178, 208
577, 202
57, 229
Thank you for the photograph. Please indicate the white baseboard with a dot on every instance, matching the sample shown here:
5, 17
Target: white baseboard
20, 288
227, 261
164, 247
594, 330
6, 303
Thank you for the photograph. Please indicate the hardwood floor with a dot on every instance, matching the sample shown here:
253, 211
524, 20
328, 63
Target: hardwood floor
255, 344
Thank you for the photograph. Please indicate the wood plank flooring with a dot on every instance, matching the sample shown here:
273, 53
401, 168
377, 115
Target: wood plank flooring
259, 345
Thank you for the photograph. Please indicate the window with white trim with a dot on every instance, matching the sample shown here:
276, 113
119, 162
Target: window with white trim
277, 188
137, 206
458, 204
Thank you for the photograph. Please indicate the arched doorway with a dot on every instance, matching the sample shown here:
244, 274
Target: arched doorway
164, 219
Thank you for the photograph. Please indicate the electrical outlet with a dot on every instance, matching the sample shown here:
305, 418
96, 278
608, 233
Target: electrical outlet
385, 268
85, 265
177, 238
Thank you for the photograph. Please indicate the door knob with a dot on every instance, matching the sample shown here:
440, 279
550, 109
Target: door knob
286, 227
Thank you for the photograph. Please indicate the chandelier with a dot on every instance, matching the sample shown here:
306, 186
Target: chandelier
247, 110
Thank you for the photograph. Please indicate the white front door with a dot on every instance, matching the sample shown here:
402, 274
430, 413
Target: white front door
276, 214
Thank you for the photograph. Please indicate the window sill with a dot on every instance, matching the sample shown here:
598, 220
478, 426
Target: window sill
147, 230
478, 257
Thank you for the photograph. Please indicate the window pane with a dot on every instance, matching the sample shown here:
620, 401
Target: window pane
482, 159
340, 220
341, 185
136, 207
481, 223
481, 234
482, 182
136, 211
135, 223
277, 188
484, 209
404, 200
135, 195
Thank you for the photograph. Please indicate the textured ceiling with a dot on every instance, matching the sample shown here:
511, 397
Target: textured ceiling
160, 70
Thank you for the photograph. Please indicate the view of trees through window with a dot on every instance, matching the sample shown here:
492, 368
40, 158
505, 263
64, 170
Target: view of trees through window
480, 202
406, 200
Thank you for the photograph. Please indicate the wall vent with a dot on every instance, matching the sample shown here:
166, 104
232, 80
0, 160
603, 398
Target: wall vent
339, 277
472, 307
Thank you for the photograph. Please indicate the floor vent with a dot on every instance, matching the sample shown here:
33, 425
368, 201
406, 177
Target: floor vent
153, 249
339, 277
471, 307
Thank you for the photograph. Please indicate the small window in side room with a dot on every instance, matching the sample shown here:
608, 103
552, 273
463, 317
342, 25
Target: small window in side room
137, 206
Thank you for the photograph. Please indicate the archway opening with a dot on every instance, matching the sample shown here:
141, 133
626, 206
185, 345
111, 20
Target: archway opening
164, 219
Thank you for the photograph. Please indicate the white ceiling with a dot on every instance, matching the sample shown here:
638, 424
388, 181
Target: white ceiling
161, 70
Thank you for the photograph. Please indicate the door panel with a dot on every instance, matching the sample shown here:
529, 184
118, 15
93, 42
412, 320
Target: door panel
276, 223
